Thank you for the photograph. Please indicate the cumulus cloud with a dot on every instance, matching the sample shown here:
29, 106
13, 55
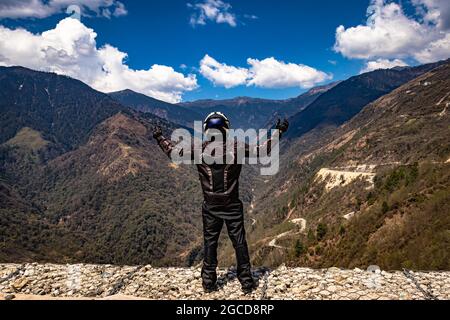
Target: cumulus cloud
437, 50
70, 49
41, 9
271, 73
221, 74
267, 73
214, 11
383, 64
120, 9
434, 11
390, 34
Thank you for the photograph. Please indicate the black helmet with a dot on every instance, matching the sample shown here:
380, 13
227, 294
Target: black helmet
216, 120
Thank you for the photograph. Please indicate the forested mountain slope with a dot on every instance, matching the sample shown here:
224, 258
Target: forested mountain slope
373, 191
82, 179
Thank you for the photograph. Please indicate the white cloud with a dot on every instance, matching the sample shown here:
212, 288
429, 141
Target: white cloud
214, 11
383, 64
267, 73
221, 74
390, 34
434, 11
70, 49
41, 9
271, 73
437, 50
120, 10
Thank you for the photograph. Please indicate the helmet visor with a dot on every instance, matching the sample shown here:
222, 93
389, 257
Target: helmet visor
216, 123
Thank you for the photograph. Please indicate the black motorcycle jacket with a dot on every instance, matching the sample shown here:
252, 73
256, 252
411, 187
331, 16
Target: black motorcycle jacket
220, 182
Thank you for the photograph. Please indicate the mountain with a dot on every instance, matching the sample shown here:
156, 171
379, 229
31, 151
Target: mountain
81, 179
346, 99
295, 105
234, 102
62, 109
120, 190
374, 191
171, 112
245, 112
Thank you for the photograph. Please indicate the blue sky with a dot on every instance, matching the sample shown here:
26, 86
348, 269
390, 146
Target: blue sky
175, 34
289, 32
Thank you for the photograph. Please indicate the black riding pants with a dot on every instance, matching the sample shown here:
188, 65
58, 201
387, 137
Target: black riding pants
212, 226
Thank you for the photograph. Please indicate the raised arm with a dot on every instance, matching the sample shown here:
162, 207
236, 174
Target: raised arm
282, 128
165, 144
168, 146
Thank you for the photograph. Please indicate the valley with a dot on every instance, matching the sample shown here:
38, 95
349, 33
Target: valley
364, 175
372, 190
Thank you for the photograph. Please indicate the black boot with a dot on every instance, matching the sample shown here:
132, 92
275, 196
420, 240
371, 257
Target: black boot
249, 289
209, 278
244, 272
209, 290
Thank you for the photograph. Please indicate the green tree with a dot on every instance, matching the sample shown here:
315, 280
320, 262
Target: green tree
384, 207
371, 197
321, 231
311, 237
299, 248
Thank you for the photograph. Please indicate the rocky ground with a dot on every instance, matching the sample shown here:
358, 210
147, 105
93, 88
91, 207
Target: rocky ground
49, 281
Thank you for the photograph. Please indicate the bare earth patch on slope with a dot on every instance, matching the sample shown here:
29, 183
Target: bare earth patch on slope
340, 178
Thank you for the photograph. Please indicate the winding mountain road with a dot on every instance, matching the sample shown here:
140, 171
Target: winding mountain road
300, 222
